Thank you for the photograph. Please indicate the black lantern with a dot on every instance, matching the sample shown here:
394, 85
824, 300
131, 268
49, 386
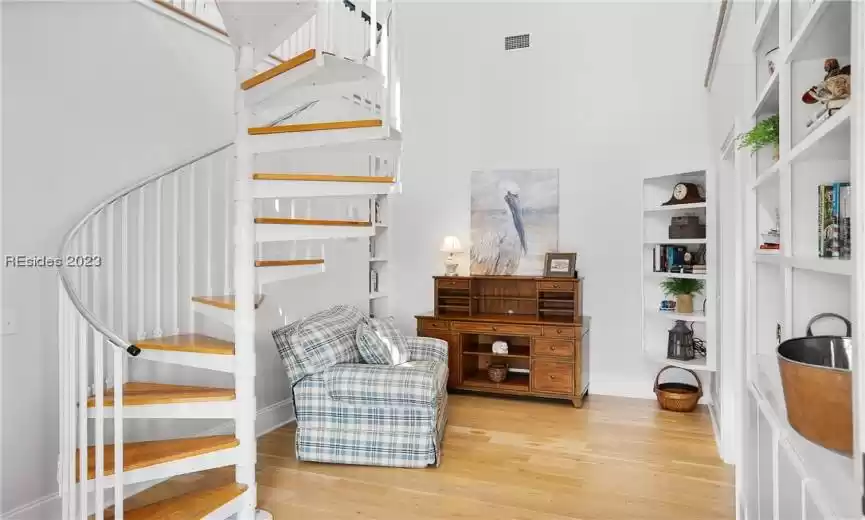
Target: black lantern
680, 344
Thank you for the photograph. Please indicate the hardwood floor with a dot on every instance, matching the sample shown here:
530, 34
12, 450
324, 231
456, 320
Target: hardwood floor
513, 459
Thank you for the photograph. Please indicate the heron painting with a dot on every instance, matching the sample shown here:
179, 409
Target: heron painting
514, 220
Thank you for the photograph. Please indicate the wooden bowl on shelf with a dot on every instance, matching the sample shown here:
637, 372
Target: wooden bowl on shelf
497, 372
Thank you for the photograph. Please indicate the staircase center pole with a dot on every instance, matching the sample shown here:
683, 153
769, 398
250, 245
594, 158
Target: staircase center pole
244, 280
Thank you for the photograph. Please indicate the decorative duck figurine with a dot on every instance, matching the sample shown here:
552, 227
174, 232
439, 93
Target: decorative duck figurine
835, 84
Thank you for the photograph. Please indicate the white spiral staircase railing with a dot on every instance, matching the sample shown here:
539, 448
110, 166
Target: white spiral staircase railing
141, 265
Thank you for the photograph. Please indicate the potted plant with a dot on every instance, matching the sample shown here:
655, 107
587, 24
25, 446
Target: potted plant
683, 289
763, 134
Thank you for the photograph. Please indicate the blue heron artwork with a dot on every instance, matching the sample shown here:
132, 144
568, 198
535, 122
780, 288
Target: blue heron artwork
514, 221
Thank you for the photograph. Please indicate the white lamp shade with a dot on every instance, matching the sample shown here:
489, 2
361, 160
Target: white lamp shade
451, 245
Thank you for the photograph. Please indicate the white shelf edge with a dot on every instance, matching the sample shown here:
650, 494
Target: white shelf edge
840, 118
377, 295
662, 274
378, 260
839, 266
771, 85
808, 24
694, 205
696, 316
763, 23
676, 241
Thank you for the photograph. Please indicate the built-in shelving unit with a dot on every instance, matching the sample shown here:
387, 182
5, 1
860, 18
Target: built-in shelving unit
656, 223
780, 474
378, 257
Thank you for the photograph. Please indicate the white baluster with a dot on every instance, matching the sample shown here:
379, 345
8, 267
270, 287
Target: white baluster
108, 261
62, 351
94, 276
157, 299
229, 202
72, 324
141, 298
99, 426
124, 272
191, 239
119, 377
175, 226
83, 379
208, 175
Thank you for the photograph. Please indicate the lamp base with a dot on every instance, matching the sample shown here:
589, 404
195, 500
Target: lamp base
451, 267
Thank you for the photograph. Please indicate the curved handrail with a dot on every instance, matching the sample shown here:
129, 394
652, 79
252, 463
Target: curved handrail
64, 275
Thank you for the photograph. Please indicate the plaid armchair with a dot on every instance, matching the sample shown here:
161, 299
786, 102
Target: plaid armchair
355, 413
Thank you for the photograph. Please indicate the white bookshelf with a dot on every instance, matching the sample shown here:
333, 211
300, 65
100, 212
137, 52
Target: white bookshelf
784, 475
655, 229
379, 253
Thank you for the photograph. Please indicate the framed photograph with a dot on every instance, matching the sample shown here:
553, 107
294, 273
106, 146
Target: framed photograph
562, 265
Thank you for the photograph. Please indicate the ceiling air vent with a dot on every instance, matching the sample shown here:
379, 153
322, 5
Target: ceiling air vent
520, 41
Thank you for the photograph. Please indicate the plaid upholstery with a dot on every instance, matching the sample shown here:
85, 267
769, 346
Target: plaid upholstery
317, 342
415, 383
427, 349
354, 414
387, 332
373, 348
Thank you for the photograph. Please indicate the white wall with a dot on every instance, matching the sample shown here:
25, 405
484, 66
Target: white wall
608, 93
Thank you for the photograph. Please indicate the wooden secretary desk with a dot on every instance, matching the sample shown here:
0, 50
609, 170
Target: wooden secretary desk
539, 318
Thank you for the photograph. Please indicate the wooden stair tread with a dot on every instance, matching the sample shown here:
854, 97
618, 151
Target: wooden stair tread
141, 393
271, 73
311, 222
193, 343
223, 302
315, 127
197, 504
321, 177
138, 455
284, 263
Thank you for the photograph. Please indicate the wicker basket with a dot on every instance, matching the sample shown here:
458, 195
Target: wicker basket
497, 373
678, 397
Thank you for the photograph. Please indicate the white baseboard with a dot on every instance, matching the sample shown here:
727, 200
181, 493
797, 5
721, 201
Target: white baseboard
267, 419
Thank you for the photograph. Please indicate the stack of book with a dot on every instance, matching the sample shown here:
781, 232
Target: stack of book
674, 259
833, 220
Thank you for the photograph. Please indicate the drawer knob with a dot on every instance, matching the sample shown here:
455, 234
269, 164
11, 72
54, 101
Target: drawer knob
495, 329
553, 348
555, 285
558, 331
552, 377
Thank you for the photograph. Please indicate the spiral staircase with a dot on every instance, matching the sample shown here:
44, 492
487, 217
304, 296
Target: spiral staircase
185, 250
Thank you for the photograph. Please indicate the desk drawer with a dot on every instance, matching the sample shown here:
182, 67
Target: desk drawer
549, 285
434, 325
552, 377
453, 284
560, 332
497, 328
553, 347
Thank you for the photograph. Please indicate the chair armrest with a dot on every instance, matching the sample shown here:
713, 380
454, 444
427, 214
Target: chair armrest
410, 384
427, 349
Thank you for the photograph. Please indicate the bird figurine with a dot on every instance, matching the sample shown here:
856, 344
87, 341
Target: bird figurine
499, 251
835, 84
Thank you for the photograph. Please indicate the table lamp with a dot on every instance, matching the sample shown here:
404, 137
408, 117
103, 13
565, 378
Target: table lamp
451, 245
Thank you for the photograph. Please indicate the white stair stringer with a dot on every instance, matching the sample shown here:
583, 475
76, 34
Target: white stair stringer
271, 274
263, 24
273, 189
216, 362
212, 460
357, 139
288, 232
192, 410
326, 76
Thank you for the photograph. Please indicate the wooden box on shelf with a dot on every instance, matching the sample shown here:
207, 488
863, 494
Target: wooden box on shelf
539, 318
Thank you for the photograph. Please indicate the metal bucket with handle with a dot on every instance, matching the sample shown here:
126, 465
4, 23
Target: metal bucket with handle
817, 382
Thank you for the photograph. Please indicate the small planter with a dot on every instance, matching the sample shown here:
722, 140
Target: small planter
685, 303
776, 152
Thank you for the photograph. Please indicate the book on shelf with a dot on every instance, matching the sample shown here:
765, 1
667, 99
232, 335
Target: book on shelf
833, 220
